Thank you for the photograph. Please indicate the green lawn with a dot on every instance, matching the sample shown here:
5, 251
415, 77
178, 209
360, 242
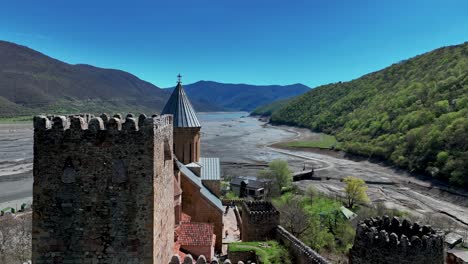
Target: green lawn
273, 254
325, 142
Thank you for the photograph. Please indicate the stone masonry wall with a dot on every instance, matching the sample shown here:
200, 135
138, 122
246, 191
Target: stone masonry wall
302, 253
381, 240
103, 190
187, 144
259, 221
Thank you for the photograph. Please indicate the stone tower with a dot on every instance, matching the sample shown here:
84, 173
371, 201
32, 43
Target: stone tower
103, 190
186, 125
259, 221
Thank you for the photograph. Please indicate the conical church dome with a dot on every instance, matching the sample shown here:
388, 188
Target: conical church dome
180, 107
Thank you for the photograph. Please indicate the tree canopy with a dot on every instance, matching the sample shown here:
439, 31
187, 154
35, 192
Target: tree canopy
279, 172
355, 191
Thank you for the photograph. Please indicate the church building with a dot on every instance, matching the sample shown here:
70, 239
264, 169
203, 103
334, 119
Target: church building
196, 182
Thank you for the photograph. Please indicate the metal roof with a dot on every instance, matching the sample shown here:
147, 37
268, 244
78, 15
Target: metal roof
180, 107
197, 181
347, 213
211, 170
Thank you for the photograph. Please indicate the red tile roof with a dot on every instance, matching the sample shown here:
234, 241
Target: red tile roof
195, 234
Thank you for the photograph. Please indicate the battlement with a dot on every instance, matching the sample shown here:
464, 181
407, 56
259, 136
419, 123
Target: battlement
103, 122
100, 189
260, 207
379, 238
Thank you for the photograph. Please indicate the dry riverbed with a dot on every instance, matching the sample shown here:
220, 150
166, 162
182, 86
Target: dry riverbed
244, 146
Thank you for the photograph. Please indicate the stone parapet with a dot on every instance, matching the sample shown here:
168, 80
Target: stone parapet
302, 253
385, 240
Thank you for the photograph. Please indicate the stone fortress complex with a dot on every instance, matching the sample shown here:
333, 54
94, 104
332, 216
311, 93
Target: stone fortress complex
135, 190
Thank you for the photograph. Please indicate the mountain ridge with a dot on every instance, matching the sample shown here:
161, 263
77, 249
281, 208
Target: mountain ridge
32, 82
241, 96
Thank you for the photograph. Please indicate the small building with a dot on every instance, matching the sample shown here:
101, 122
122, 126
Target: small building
303, 175
251, 186
457, 256
452, 239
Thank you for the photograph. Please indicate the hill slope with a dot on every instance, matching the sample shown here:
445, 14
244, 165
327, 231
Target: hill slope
243, 97
413, 113
31, 82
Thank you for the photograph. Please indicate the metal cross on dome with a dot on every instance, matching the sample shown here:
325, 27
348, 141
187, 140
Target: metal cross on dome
179, 78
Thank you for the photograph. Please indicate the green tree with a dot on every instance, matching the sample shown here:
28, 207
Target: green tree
355, 191
279, 172
293, 216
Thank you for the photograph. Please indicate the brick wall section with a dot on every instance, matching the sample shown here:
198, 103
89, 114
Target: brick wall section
103, 190
259, 221
381, 240
302, 253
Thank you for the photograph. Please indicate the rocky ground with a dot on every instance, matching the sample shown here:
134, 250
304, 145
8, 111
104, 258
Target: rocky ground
244, 146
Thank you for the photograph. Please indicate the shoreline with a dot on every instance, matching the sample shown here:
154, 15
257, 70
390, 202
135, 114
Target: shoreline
412, 185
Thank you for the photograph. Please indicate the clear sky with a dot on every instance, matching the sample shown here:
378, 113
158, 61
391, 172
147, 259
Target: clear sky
238, 41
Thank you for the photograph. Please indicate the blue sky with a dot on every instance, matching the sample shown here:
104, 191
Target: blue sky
238, 41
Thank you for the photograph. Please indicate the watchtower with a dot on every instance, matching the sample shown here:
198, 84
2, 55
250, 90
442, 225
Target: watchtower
259, 221
186, 125
103, 189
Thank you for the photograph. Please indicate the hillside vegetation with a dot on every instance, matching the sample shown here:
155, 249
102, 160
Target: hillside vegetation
241, 97
31, 83
413, 113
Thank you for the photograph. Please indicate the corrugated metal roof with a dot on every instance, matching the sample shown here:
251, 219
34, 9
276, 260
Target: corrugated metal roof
347, 213
180, 107
203, 190
211, 170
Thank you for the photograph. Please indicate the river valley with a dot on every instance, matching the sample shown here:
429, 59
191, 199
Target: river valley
244, 146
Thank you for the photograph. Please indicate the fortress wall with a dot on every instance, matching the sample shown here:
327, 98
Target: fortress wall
381, 240
103, 189
302, 253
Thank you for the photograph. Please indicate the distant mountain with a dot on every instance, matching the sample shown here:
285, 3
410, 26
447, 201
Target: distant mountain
243, 97
413, 113
31, 82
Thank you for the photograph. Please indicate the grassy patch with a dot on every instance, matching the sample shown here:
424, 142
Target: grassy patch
274, 253
322, 205
324, 142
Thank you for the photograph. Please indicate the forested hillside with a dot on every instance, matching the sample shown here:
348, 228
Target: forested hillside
32, 83
413, 113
